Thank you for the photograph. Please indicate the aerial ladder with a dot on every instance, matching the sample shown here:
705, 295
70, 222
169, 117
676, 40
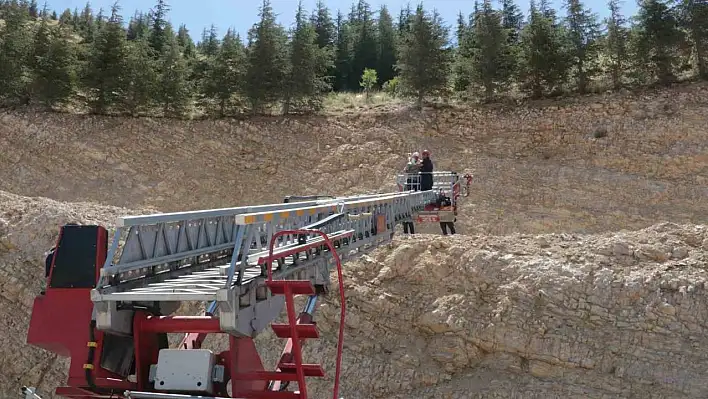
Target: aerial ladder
110, 308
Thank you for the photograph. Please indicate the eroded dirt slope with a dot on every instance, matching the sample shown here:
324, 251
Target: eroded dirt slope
615, 315
539, 168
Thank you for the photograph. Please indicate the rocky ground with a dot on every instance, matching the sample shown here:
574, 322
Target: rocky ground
581, 272
551, 316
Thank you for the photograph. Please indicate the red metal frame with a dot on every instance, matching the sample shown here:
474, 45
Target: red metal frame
60, 324
61, 319
292, 287
456, 193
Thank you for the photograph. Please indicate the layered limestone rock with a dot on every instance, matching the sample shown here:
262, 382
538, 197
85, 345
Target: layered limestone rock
555, 316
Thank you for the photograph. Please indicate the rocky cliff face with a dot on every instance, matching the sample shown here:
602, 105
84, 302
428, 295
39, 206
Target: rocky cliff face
551, 316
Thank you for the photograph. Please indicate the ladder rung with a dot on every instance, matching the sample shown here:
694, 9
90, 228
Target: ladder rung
267, 395
297, 287
292, 250
303, 330
311, 370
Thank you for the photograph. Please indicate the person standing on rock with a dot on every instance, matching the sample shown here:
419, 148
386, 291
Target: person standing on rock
426, 172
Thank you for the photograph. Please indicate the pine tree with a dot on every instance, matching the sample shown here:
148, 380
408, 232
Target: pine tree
140, 75
544, 58
158, 37
15, 43
267, 60
227, 72
86, 24
308, 66
209, 45
461, 28
104, 77
174, 92
326, 37
324, 26
694, 19
65, 17
37, 60
462, 68
423, 58
185, 42
343, 55
512, 20
42, 40
58, 70
492, 59
99, 21
404, 19
364, 41
583, 33
33, 9
513, 23
616, 44
660, 34
387, 47
640, 70
75, 19
207, 50
139, 26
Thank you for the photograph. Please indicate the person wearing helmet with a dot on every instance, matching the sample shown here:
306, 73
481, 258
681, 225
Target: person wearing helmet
426, 172
411, 170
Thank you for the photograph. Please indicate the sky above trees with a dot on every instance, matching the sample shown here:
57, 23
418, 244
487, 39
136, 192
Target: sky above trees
242, 14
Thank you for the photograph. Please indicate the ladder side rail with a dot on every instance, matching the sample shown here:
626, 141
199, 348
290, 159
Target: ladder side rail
160, 244
134, 248
362, 226
174, 217
249, 218
238, 250
243, 264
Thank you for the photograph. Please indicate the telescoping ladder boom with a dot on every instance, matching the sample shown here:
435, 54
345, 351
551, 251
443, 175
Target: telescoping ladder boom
220, 255
247, 262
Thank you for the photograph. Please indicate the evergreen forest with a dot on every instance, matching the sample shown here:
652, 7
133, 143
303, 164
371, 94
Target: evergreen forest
94, 61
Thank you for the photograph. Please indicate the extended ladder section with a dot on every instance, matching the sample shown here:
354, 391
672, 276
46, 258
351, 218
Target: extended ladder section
221, 256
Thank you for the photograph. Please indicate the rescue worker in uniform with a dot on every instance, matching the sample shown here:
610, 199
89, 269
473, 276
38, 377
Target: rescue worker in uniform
426, 172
